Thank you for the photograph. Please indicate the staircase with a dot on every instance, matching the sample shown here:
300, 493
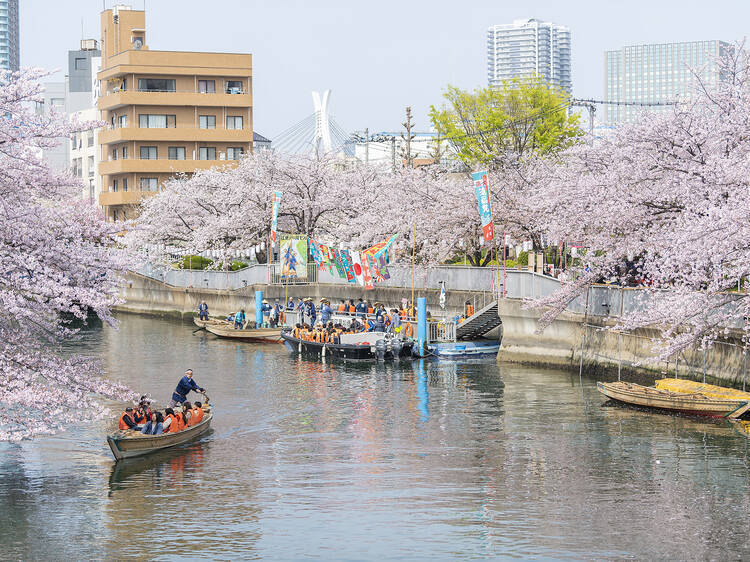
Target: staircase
479, 323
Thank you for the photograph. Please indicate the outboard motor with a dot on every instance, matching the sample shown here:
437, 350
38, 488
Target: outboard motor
396, 347
380, 347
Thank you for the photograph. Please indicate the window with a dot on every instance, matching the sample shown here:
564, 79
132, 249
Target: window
57, 102
234, 86
148, 153
206, 86
207, 153
122, 121
157, 121
156, 85
234, 152
114, 154
80, 64
124, 152
92, 190
124, 184
149, 184
234, 121
74, 140
176, 152
207, 121
114, 215
90, 139
91, 166
114, 185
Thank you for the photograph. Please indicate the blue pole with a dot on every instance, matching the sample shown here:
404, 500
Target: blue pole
258, 309
422, 325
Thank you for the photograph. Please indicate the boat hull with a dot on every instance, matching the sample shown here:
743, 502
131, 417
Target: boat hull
465, 349
126, 445
272, 335
349, 352
688, 403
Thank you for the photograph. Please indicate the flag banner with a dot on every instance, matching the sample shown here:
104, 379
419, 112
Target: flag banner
381, 249
315, 252
357, 267
275, 202
366, 274
482, 191
294, 258
382, 263
346, 261
337, 262
377, 275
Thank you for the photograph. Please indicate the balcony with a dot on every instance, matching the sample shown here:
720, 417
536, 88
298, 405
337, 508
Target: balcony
123, 98
109, 198
159, 166
174, 134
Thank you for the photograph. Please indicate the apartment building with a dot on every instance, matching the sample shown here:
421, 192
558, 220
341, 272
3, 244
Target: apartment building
167, 112
529, 47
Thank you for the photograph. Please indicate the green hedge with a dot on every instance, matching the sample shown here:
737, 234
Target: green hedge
194, 262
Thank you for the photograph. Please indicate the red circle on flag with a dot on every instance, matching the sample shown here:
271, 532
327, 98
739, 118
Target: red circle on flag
357, 269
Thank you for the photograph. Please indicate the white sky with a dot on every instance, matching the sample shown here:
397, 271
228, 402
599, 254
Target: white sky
377, 56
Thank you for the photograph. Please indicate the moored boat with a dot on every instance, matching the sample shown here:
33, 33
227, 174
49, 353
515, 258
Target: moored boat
696, 403
364, 346
227, 330
132, 443
210, 322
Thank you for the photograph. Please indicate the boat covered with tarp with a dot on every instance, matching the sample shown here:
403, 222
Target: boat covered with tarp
680, 396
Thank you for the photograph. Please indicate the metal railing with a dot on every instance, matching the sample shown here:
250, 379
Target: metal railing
276, 278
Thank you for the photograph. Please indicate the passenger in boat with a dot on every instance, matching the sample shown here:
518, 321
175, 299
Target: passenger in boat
325, 311
265, 309
203, 310
311, 312
198, 409
155, 425
186, 384
342, 306
187, 414
290, 304
126, 419
370, 310
395, 321
360, 309
239, 319
169, 418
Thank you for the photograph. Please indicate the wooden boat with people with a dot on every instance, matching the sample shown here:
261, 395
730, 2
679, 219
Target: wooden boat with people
210, 322
227, 331
363, 346
130, 443
681, 396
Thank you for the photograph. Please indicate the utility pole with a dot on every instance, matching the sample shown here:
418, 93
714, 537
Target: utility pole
367, 146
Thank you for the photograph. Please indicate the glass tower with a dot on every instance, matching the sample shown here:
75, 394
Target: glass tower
529, 47
658, 73
9, 40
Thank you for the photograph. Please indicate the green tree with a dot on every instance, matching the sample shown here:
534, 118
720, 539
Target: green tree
496, 127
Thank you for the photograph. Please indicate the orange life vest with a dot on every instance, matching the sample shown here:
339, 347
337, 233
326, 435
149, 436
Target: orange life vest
352, 310
370, 310
469, 310
123, 425
341, 308
198, 415
174, 425
193, 417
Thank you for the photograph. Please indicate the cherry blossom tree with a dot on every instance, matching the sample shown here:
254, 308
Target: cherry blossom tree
60, 265
667, 201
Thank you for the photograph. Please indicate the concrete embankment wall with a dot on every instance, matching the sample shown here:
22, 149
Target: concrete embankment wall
145, 295
606, 352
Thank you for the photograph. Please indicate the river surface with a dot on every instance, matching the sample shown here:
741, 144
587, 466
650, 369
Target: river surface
414, 460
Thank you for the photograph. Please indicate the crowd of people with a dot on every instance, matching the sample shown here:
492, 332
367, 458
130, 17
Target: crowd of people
180, 415
317, 323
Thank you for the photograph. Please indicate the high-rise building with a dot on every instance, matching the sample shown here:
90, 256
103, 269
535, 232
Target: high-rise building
658, 73
167, 112
529, 47
9, 37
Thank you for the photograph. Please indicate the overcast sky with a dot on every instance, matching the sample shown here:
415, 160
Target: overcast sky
377, 56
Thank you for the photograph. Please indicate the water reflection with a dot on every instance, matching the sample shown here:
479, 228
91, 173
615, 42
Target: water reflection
381, 460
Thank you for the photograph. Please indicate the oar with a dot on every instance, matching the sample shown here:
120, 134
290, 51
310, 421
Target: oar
199, 329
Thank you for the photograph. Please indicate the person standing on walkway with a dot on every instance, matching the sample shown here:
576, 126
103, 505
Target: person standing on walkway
186, 384
203, 310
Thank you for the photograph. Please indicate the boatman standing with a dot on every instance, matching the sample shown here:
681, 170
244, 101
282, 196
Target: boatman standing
186, 384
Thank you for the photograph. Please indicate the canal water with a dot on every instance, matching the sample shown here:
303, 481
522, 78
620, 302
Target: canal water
416, 460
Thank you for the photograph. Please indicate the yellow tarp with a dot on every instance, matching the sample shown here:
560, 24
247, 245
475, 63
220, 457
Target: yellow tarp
679, 385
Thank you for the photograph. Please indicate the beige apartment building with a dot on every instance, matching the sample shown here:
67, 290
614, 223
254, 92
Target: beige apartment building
167, 112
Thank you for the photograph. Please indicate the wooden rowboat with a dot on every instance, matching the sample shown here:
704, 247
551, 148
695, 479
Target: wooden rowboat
210, 322
259, 334
686, 402
132, 443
